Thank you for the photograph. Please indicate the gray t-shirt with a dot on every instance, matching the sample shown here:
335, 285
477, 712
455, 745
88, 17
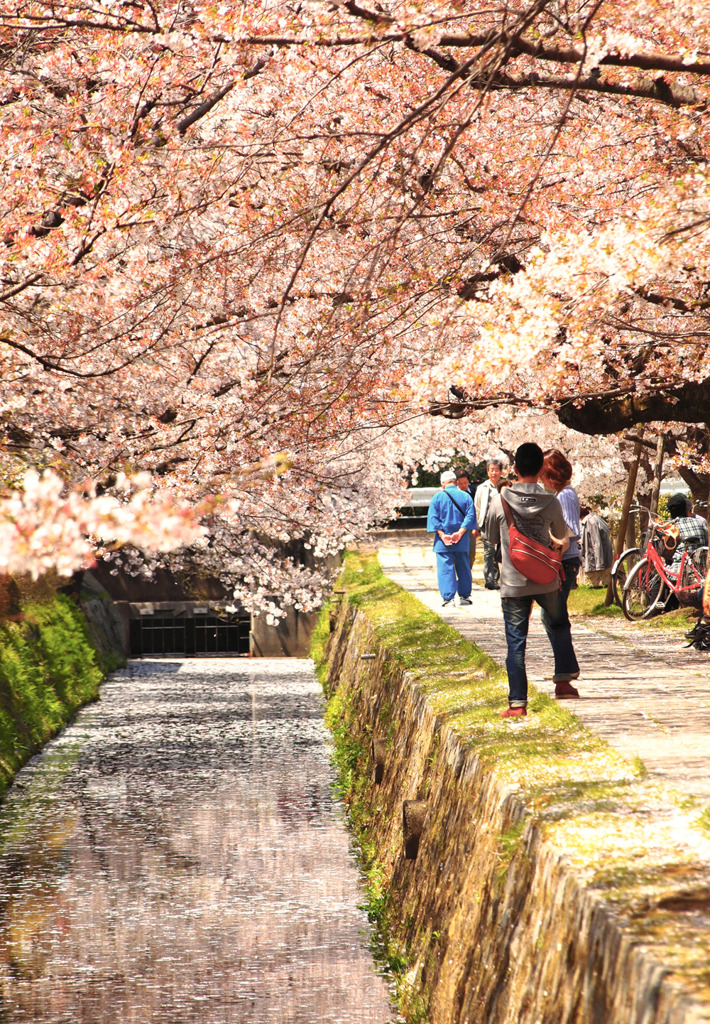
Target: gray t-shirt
536, 513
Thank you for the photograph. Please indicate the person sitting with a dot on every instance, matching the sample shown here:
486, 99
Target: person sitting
699, 635
691, 532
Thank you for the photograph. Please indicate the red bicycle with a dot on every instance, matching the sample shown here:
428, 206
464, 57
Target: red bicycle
652, 582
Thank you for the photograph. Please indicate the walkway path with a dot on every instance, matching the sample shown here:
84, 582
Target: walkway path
641, 689
176, 857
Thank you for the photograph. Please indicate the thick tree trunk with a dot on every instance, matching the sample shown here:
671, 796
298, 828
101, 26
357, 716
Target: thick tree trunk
688, 403
657, 476
628, 498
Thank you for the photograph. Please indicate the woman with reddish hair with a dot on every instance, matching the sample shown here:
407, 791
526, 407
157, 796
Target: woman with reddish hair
556, 475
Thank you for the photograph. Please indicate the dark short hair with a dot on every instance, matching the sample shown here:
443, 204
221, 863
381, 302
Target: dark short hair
461, 471
529, 459
677, 505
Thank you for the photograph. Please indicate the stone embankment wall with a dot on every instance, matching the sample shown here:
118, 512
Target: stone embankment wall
493, 921
53, 657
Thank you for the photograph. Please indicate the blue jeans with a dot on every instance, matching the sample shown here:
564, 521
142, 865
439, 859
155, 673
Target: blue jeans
569, 579
516, 615
453, 570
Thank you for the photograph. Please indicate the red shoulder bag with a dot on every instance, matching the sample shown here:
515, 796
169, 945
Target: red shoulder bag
536, 562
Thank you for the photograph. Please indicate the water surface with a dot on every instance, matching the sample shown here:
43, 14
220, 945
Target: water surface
176, 856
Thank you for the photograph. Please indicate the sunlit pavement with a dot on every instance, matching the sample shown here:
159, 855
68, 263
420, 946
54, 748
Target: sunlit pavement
177, 857
642, 689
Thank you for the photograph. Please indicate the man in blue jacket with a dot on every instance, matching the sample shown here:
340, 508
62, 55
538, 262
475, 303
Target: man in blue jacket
452, 519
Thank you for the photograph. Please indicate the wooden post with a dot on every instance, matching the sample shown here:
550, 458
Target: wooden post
628, 498
657, 474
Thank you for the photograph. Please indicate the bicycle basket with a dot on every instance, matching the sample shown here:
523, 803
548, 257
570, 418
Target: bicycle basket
670, 535
661, 549
666, 541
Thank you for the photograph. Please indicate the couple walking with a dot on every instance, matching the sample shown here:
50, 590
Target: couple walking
538, 514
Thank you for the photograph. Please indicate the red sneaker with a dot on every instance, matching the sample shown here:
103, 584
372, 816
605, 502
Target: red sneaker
514, 713
565, 690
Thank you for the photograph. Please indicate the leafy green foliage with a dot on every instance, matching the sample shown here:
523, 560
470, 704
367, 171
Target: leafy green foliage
48, 669
704, 820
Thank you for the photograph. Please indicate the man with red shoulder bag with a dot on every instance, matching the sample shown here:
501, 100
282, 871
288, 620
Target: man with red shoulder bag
530, 575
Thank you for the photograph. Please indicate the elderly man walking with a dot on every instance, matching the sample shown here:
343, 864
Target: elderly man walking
451, 519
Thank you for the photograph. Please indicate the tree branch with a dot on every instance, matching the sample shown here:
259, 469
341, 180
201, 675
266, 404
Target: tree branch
361, 12
671, 93
517, 45
603, 412
558, 55
214, 99
204, 108
16, 289
681, 403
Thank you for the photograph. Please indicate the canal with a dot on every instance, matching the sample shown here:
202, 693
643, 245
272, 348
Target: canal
177, 856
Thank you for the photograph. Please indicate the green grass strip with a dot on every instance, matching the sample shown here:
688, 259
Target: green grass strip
584, 600
468, 688
591, 802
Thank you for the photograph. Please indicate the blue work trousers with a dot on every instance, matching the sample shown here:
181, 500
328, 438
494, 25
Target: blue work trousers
516, 615
453, 570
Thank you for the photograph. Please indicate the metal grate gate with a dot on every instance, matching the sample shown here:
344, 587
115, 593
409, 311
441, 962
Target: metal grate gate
222, 634
177, 633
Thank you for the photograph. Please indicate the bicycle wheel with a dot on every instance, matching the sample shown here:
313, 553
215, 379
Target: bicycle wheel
699, 559
621, 569
693, 577
644, 593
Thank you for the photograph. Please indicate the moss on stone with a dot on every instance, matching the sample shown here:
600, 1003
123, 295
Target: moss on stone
468, 687
352, 762
319, 640
509, 842
48, 669
581, 795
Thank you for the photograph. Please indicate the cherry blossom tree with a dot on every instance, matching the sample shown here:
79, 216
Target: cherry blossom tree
248, 249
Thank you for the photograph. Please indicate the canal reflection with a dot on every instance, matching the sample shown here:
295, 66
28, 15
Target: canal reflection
176, 856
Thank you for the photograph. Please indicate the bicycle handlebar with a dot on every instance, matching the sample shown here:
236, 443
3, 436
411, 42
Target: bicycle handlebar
642, 508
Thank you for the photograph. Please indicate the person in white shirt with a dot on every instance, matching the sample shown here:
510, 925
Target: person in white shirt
485, 493
464, 484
